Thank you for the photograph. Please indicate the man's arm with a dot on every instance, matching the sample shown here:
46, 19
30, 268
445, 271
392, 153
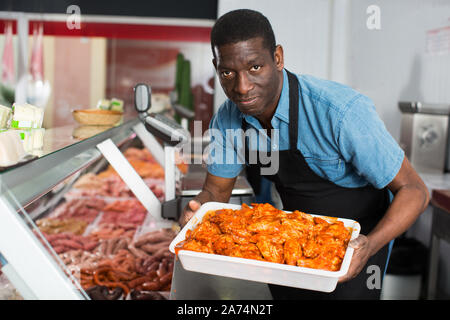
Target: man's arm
411, 198
215, 188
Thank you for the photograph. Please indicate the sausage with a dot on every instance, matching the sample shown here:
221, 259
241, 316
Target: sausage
160, 253
102, 247
152, 248
151, 285
60, 249
170, 266
169, 254
68, 243
162, 269
109, 283
110, 246
152, 238
138, 253
152, 275
152, 267
138, 265
89, 246
121, 244
139, 288
165, 279
138, 281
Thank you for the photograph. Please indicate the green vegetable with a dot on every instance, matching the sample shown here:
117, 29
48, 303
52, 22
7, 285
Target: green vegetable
183, 84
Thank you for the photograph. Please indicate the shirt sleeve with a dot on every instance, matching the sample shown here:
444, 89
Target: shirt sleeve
365, 142
222, 160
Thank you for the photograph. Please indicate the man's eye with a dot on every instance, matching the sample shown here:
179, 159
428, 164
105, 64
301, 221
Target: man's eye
256, 67
226, 73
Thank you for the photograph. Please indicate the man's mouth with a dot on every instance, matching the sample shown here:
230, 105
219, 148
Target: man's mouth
247, 102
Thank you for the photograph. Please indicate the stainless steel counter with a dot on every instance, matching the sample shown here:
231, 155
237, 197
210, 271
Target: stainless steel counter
437, 180
192, 183
187, 285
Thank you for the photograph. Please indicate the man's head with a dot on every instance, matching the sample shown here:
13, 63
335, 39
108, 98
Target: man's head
248, 62
241, 25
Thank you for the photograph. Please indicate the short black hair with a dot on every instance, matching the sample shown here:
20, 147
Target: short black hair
241, 25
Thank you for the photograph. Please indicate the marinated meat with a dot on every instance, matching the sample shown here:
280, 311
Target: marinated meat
263, 232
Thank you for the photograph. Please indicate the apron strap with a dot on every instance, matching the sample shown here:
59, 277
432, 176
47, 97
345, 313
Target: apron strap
293, 110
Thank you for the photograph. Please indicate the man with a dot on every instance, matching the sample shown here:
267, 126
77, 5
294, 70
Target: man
335, 156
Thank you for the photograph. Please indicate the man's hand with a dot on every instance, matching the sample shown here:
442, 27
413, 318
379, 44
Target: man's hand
359, 258
189, 212
214, 189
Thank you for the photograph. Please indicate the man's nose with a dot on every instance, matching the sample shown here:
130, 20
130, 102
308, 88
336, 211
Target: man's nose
243, 84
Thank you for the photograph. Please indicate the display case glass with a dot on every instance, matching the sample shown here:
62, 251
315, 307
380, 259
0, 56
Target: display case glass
30, 192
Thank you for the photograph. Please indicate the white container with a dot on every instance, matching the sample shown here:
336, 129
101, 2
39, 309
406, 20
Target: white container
260, 271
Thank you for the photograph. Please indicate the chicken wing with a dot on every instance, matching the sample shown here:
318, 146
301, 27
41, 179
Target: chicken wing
198, 246
271, 251
292, 251
265, 224
206, 232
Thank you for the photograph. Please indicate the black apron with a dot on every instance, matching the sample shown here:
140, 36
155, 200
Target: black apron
302, 189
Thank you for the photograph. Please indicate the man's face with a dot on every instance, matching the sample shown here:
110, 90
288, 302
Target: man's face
250, 75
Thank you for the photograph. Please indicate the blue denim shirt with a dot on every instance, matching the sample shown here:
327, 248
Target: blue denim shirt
339, 134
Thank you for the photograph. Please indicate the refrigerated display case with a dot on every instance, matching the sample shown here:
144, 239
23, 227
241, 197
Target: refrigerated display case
29, 192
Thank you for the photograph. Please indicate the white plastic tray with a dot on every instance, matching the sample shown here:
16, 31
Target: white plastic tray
260, 271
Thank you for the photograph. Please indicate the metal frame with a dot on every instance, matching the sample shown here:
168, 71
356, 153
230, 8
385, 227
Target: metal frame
131, 177
169, 172
164, 156
150, 143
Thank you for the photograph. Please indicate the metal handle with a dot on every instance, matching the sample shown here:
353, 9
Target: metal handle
142, 97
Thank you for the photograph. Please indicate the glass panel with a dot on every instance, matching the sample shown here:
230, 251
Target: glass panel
34, 260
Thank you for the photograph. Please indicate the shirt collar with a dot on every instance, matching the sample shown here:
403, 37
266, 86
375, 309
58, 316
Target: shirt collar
282, 110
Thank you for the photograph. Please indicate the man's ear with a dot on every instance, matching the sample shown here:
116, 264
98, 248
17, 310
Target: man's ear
278, 57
